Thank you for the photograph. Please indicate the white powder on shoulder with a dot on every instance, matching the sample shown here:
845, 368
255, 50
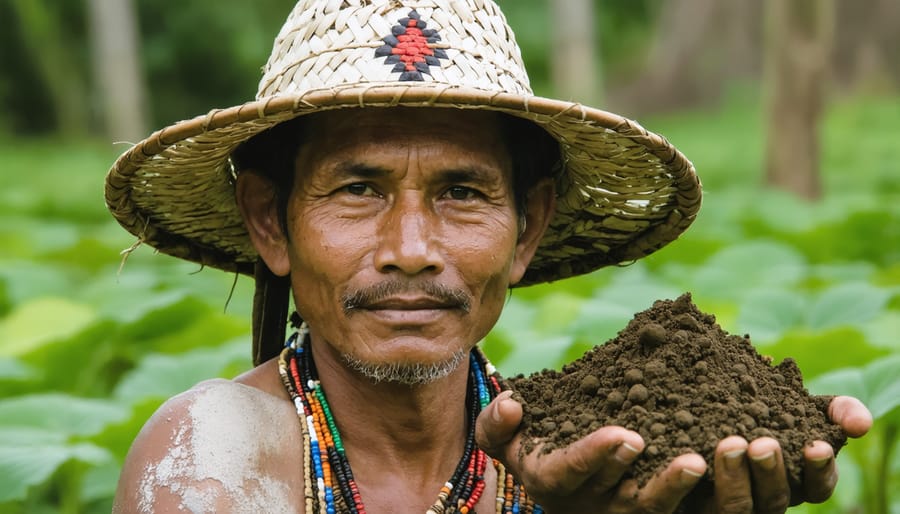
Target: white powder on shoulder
216, 460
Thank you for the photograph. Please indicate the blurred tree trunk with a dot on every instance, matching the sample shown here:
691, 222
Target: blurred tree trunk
55, 63
115, 58
574, 59
865, 47
798, 42
698, 45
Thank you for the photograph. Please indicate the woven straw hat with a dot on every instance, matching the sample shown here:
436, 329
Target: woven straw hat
622, 194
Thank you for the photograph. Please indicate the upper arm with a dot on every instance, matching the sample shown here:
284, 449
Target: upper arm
155, 471
207, 450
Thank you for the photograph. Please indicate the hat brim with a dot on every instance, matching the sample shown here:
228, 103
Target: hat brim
624, 192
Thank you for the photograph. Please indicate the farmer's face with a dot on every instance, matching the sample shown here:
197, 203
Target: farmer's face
403, 234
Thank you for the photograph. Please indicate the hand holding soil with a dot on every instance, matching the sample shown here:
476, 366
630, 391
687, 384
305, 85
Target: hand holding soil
675, 377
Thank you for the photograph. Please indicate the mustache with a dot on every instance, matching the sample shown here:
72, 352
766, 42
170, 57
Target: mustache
364, 297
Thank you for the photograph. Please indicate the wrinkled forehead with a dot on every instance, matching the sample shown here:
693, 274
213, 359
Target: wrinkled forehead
479, 135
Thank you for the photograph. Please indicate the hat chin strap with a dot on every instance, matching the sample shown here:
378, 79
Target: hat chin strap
270, 313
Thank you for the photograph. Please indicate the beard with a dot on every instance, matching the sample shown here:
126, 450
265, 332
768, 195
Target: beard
406, 373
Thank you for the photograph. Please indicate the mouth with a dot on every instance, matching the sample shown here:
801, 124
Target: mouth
409, 304
410, 311
398, 299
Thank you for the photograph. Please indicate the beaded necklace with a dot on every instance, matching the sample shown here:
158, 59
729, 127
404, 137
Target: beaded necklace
329, 485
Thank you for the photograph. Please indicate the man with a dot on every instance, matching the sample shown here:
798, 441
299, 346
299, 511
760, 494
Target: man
397, 176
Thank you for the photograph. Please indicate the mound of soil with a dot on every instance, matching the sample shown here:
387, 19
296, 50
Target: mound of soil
674, 376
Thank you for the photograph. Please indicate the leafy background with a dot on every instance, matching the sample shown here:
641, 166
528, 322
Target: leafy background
91, 342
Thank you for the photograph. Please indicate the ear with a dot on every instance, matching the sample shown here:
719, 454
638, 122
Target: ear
539, 208
257, 201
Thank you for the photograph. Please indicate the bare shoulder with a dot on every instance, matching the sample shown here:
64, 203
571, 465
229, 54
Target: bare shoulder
222, 446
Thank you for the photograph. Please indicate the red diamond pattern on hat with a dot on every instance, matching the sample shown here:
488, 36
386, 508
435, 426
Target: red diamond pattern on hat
411, 48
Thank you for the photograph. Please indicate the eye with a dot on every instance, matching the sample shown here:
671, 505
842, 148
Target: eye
359, 189
461, 193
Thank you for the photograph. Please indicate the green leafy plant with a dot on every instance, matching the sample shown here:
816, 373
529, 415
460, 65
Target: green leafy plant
89, 351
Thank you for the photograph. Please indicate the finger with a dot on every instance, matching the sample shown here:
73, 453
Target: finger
594, 463
820, 472
771, 492
665, 491
598, 460
601, 457
497, 425
733, 490
850, 413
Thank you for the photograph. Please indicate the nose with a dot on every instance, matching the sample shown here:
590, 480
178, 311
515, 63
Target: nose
408, 238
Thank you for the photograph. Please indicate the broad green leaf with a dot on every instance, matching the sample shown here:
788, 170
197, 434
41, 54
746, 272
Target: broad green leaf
539, 353
23, 466
600, 320
850, 304
514, 324
40, 322
42, 235
877, 384
164, 375
517, 315
785, 211
496, 346
6, 303
888, 276
884, 331
847, 381
13, 369
68, 415
130, 304
742, 267
183, 325
555, 312
209, 330
30, 436
820, 352
26, 280
767, 314
582, 286
634, 288
692, 248
844, 272
100, 481
882, 379
610, 309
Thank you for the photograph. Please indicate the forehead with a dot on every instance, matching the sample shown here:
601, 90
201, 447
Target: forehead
479, 134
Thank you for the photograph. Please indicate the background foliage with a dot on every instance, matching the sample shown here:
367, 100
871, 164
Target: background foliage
91, 344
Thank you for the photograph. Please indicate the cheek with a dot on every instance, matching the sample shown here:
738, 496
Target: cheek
489, 248
485, 260
320, 238
325, 254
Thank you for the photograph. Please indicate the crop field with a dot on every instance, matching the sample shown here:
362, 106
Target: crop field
92, 340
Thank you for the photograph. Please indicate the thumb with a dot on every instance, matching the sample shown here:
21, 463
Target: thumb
497, 425
850, 413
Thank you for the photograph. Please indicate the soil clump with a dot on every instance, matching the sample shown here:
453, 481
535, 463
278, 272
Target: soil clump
674, 376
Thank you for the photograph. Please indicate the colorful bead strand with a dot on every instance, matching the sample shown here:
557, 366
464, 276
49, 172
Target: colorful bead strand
330, 487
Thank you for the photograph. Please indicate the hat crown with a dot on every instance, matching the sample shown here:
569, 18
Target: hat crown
327, 44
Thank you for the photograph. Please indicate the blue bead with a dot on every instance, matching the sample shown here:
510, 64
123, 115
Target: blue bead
329, 500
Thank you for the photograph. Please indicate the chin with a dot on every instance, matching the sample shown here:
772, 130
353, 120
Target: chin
409, 373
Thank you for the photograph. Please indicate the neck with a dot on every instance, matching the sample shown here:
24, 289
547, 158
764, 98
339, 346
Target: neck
417, 431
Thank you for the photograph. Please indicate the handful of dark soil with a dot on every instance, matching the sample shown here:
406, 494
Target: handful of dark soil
674, 376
